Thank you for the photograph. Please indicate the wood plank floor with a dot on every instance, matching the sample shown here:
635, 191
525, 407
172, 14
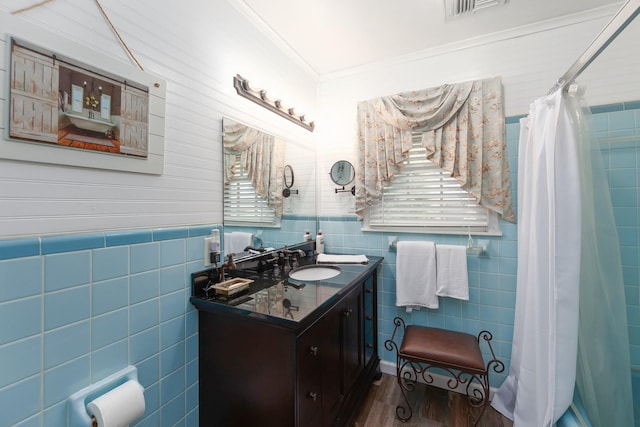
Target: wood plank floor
432, 407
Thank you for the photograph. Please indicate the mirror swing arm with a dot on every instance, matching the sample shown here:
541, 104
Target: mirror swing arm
344, 190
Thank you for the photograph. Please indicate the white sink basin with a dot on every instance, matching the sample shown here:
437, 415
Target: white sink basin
310, 273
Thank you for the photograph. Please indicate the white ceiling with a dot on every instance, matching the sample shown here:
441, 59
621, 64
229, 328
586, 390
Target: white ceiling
335, 35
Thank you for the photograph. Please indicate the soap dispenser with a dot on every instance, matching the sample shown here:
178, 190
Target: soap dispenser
320, 242
212, 248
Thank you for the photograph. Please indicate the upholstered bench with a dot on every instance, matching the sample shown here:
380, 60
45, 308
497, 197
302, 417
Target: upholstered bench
455, 353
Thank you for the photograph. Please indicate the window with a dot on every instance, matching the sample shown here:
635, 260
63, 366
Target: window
423, 197
242, 206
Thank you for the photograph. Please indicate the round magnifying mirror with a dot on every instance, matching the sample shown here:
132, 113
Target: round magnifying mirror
342, 172
288, 176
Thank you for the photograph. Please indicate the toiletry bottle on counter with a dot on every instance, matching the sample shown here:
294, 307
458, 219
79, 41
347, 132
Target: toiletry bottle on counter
215, 241
307, 236
320, 242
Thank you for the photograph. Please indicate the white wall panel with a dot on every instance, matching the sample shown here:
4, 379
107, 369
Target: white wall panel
196, 47
529, 60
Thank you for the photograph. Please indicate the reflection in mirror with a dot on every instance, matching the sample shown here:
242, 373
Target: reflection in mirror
253, 164
343, 173
289, 179
256, 215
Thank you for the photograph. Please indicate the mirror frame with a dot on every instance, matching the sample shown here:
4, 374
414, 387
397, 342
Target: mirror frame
288, 170
337, 173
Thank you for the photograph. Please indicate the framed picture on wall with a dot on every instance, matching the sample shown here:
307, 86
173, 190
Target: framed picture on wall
71, 104
83, 109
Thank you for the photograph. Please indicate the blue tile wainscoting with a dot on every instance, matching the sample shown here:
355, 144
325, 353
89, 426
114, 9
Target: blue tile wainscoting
76, 308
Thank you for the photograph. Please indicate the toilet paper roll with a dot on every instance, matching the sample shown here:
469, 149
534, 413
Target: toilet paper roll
119, 407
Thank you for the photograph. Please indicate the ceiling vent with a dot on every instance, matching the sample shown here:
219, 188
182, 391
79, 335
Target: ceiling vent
456, 8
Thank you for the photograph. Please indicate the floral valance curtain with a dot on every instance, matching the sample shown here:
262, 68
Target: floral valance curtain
462, 128
260, 156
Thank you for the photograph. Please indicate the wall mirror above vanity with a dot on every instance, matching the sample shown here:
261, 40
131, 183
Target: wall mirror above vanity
269, 189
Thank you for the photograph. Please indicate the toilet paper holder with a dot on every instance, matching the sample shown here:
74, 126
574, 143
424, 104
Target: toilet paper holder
77, 402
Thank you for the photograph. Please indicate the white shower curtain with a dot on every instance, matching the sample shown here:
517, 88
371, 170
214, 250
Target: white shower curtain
540, 384
568, 263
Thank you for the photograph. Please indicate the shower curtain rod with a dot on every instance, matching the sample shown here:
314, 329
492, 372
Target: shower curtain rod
616, 25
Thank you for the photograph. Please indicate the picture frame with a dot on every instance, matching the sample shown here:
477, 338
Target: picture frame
66, 104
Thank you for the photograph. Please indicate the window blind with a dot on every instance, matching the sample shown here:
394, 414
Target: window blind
242, 205
424, 195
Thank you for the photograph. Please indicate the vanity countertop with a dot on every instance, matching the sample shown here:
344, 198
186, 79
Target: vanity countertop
271, 296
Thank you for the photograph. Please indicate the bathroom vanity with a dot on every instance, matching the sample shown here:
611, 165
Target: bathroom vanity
286, 352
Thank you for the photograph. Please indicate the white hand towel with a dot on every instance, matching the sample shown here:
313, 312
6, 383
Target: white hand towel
451, 272
342, 259
416, 275
237, 241
227, 243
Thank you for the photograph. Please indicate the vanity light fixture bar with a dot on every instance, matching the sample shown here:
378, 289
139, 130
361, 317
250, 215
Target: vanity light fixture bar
260, 97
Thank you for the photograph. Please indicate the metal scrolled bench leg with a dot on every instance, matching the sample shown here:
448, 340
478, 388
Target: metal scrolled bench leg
457, 353
405, 381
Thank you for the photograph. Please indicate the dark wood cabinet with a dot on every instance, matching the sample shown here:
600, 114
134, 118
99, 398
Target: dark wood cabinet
370, 320
352, 339
314, 372
318, 359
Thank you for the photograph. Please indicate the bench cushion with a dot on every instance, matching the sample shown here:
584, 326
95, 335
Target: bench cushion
443, 348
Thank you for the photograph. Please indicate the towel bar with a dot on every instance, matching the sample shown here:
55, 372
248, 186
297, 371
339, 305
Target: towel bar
481, 248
